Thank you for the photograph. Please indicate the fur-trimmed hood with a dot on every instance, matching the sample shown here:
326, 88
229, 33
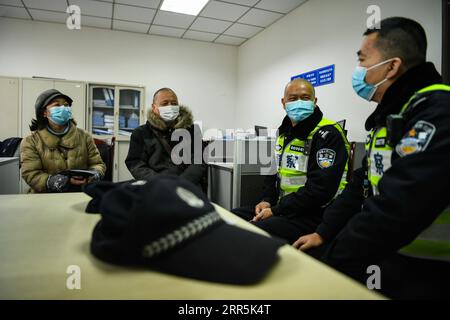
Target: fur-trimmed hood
184, 120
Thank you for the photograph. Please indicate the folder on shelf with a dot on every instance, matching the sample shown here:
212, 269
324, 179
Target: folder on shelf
109, 96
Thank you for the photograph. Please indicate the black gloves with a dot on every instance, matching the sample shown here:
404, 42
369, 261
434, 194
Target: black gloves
96, 177
57, 183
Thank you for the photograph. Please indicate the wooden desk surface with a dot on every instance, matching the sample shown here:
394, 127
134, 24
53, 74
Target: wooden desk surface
42, 234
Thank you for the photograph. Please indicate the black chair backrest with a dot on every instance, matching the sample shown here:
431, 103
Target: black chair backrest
106, 150
351, 161
9, 146
357, 153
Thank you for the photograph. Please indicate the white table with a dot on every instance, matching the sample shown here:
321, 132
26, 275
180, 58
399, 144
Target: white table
42, 234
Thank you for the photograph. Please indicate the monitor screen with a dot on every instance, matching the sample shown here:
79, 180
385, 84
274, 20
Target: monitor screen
341, 123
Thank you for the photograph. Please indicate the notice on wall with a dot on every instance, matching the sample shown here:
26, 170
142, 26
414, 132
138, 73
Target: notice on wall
318, 77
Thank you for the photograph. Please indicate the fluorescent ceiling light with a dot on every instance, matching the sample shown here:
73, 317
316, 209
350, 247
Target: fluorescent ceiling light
192, 7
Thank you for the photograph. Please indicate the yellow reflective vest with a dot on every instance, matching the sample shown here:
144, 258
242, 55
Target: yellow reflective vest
292, 160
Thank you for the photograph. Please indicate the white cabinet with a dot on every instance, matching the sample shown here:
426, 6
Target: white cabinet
32, 88
120, 169
9, 106
115, 110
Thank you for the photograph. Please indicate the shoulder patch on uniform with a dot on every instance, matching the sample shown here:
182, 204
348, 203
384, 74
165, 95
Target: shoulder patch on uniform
325, 158
322, 133
417, 139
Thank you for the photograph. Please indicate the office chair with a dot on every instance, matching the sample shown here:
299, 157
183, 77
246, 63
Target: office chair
10, 147
351, 161
106, 150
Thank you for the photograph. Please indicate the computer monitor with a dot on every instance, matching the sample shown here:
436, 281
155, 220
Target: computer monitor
261, 131
342, 124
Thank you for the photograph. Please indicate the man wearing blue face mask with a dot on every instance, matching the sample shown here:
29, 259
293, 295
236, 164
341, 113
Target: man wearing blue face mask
311, 155
395, 214
57, 145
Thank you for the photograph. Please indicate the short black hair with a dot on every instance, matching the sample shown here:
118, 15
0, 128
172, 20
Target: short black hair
162, 89
403, 38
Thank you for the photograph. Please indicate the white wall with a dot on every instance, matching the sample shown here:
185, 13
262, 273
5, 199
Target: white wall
204, 75
226, 86
317, 34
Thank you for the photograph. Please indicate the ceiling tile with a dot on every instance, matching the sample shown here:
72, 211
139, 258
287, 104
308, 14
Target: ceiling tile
133, 13
43, 15
221, 10
94, 8
172, 19
154, 4
249, 3
229, 40
16, 3
210, 25
14, 12
198, 35
54, 5
260, 18
95, 22
166, 31
242, 30
284, 6
130, 26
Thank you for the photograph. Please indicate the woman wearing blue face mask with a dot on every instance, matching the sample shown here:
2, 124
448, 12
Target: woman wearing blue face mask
57, 145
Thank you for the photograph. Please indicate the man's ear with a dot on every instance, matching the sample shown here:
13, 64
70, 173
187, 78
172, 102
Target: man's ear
315, 101
395, 68
282, 102
155, 109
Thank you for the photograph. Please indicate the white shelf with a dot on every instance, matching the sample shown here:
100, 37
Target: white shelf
103, 107
128, 108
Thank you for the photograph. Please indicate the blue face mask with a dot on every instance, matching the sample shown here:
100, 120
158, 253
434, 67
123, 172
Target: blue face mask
299, 110
60, 114
361, 87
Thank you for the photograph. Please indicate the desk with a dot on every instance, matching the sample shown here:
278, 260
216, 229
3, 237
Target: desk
42, 234
220, 183
9, 175
232, 186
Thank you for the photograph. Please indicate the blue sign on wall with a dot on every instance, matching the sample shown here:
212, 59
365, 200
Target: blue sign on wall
318, 77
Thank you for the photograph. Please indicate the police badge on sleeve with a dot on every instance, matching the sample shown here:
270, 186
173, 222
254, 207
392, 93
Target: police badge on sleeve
417, 139
326, 158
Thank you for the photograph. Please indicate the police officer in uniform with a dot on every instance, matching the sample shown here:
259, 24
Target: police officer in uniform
311, 155
394, 215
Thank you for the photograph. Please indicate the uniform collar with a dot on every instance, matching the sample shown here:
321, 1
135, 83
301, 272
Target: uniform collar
303, 128
401, 91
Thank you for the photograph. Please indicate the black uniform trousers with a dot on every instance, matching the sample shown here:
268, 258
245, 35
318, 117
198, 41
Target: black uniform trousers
284, 227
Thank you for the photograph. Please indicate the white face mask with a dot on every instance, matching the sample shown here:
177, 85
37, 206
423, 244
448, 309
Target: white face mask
169, 113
